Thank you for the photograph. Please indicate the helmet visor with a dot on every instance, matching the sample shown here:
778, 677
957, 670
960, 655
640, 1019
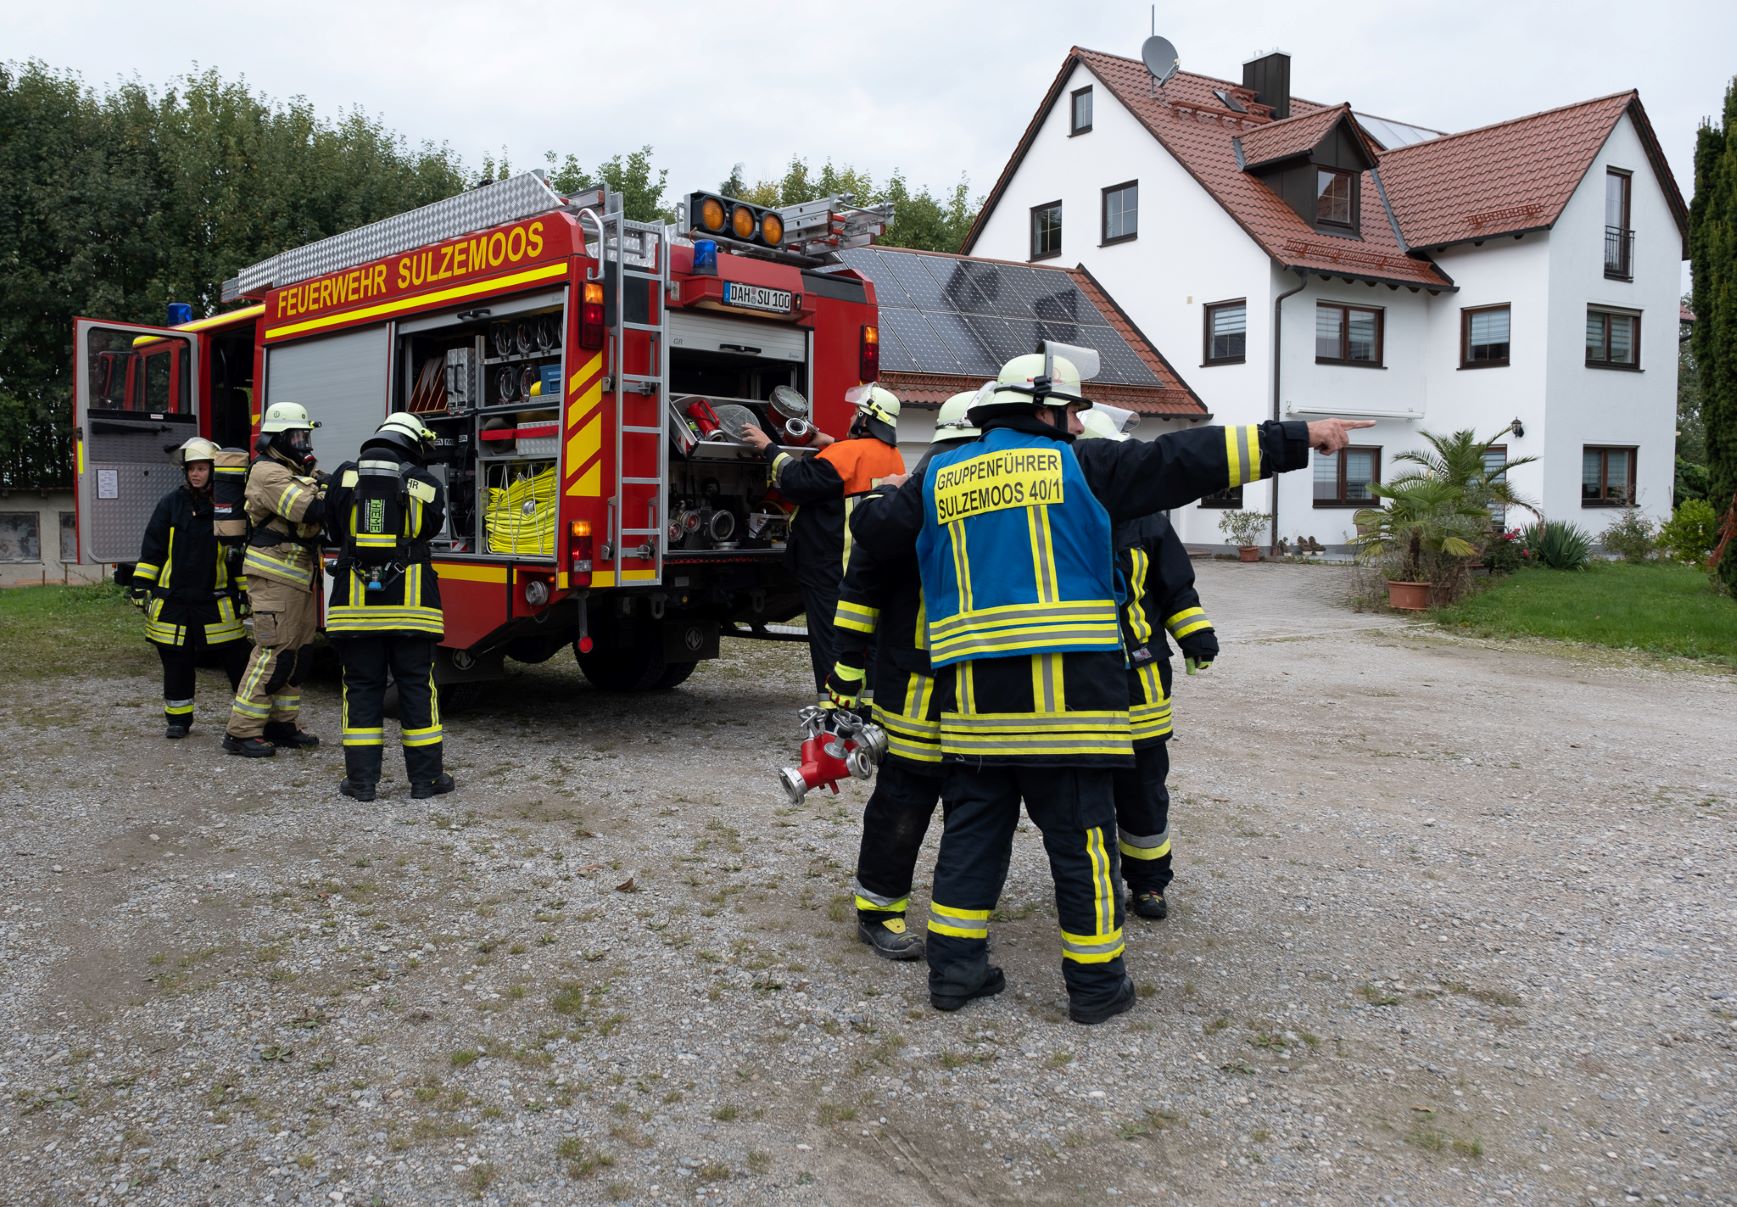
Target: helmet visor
299, 441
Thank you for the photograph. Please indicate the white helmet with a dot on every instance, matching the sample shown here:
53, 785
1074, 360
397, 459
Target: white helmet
407, 433
880, 406
286, 417
952, 422
196, 448
1097, 425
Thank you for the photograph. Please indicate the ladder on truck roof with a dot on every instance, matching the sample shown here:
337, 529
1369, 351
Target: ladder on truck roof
639, 252
522, 196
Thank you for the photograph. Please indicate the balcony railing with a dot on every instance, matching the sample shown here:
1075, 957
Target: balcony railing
1619, 253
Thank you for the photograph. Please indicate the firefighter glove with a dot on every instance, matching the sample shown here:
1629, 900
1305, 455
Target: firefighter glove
844, 686
138, 596
1199, 649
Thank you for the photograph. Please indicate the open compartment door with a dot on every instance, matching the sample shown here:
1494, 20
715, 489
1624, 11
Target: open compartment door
134, 401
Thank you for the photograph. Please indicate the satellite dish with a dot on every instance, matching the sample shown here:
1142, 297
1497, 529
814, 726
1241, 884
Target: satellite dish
1160, 58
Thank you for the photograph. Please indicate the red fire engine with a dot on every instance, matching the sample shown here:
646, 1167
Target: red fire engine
584, 373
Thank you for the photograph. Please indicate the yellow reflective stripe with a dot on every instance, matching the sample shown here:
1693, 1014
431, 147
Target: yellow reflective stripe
890, 907
1029, 639
1242, 449
178, 708
1139, 566
287, 498
249, 709
967, 915
958, 932
1082, 610
965, 686
146, 572
916, 750
961, 565
859, 617
428, 739
168, 562
1194, 627
1130, 851
1100, 948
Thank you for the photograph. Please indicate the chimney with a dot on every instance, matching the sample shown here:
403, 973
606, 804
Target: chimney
1269, 77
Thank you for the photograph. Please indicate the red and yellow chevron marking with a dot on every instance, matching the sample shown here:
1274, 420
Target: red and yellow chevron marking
583, 465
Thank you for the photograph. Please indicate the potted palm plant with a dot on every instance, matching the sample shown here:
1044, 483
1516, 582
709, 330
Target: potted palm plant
1243, 529
1437, 517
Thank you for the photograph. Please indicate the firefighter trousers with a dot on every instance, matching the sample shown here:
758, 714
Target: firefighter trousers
820, 602
1143, 818
409, 659
271, 687
179, 664
1075, 809
894, 824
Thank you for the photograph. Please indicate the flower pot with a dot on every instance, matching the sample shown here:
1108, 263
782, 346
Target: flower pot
1249, 553
1408, 597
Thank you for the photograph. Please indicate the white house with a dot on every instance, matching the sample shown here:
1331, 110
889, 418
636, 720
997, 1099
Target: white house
1324, 261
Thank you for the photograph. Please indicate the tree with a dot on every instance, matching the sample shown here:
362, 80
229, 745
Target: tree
1713, 262
114, 204
1458, 459
630, 175
1691, 480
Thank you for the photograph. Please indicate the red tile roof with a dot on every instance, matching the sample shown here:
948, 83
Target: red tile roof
1292, 136
1513, 176
1171, 397
1502, 179
1197, 130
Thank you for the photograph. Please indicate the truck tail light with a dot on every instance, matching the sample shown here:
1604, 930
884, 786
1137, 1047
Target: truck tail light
579, 548
869, 354
591, 316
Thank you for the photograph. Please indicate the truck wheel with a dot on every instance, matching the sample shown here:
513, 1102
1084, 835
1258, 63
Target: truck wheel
674, 675
625, 667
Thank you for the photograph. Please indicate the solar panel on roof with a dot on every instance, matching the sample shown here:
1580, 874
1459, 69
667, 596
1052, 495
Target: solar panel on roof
958, 316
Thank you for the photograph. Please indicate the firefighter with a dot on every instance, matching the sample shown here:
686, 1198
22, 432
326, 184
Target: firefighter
1161, 598
184, 585
285, 502
825, 489
384, 614
1013, 540
881, 607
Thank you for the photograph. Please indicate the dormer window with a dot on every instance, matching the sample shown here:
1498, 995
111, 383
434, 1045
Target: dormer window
1335, 197
1081, 112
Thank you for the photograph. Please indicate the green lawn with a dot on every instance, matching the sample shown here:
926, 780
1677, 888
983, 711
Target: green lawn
46, 631
1663, 609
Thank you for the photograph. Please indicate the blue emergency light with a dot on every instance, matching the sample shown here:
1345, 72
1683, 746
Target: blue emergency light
180, 312
706, 257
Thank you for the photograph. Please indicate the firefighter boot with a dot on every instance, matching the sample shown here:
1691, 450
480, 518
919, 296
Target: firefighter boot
1092, 1015
176, 729
889, 936
285, 733
361, 772
252, 748
993, 983
1149, 903
439, 786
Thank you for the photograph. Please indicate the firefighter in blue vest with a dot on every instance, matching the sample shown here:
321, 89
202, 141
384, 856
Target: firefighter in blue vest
183, 583
384, 614
1161, 599
880, 611
1013, 539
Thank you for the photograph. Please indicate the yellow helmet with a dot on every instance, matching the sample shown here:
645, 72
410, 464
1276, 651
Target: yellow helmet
952, 422
197, 448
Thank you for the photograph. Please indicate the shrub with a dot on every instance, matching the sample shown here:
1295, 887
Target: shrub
1504, 553
1558, 544
1690, 534
1243, 527
1630, 536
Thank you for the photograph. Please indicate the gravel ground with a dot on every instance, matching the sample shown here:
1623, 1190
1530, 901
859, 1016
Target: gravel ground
1453, 922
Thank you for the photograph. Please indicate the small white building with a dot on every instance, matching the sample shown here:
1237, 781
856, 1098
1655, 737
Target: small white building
1519, 279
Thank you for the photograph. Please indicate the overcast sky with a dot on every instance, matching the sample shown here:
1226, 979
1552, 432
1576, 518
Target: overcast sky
936, 88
